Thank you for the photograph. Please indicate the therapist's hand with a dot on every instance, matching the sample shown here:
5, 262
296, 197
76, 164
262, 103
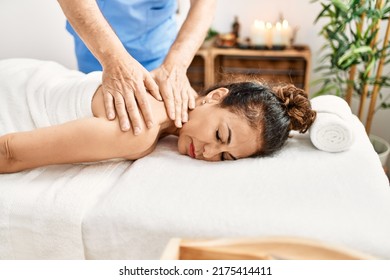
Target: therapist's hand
126, 83
176, 91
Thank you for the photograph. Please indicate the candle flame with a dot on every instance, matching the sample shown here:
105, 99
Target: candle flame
259, 24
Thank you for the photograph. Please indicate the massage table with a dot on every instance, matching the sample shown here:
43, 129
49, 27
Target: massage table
130, 210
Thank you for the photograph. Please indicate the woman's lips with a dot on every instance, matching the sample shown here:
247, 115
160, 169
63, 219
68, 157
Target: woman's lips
192, 150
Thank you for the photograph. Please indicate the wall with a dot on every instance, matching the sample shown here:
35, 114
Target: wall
36, 29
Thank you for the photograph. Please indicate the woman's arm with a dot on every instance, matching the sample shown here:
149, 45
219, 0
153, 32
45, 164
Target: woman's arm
84, 140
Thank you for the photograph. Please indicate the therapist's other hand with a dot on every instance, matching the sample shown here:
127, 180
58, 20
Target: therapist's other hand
176, 91
125, 84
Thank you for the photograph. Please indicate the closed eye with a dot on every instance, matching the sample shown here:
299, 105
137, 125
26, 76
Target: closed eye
224, 155
227, 156
217, 136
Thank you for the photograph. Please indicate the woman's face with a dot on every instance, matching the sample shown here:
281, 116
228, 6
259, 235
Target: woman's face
214, 134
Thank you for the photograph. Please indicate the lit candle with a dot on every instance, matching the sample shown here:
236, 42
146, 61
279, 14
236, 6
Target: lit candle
268, 26
281, 34
277, 35
286, 33
259, 36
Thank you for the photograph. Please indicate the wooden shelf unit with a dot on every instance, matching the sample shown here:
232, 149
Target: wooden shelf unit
210, 66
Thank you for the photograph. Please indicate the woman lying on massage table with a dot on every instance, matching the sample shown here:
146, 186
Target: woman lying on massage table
230, 121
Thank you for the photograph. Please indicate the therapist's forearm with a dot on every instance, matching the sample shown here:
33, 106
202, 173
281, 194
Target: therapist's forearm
192, 33
90, 24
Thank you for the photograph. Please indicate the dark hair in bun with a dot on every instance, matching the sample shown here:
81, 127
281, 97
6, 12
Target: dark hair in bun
272, 110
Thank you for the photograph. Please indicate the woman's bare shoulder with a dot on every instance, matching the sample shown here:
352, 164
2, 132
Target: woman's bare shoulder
141, 145
146, 150
132, 146
97, 105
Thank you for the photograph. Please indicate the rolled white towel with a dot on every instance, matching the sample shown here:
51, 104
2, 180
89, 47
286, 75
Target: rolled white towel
332, 130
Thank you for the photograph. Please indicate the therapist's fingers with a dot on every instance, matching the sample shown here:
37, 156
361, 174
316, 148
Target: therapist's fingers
113, 98
113, 92
192, 94
177, 93
178, 107
162, 78
188, 102
130, 111
120, 106
108, 104
128, 83
188, 98
152, 87
185, 95
169, 101
144, 105
184, 105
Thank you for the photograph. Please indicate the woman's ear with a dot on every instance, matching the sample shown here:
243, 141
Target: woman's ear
216, 95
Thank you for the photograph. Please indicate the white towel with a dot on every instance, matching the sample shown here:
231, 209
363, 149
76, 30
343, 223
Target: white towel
332, 130
41, 210
43, 93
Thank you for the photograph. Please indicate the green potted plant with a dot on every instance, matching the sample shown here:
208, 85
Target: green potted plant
355, 53
210, 39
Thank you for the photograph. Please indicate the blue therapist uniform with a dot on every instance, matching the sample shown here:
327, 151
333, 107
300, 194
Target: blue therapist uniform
147, 29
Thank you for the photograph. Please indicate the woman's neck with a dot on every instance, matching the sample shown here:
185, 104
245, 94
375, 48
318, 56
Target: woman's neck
166, 125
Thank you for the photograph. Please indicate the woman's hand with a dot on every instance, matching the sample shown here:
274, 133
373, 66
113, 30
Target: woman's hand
126, 83
176, 91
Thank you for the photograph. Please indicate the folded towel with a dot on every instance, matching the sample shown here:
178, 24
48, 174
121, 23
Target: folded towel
332, 130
